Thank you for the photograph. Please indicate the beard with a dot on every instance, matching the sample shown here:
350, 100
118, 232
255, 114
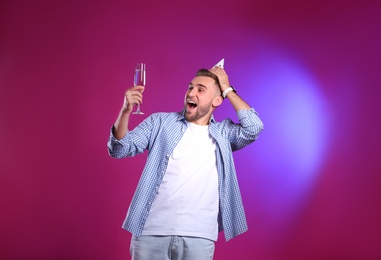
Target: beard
200, 112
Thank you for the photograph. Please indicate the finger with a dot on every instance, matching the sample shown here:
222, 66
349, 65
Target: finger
138, 88
214, 69
218, 71
134, 97
217, 68
135, 90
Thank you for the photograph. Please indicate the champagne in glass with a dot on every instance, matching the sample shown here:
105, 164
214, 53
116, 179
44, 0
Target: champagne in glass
140, 80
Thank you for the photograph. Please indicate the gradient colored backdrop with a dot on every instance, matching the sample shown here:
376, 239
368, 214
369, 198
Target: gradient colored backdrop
311, 183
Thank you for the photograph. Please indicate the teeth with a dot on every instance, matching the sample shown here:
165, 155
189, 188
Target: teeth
191, 102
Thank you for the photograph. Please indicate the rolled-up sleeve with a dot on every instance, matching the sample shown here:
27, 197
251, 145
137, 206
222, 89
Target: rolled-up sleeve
247, 131
116, 148
250, 118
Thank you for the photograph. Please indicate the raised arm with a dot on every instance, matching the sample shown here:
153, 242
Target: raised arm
132, 97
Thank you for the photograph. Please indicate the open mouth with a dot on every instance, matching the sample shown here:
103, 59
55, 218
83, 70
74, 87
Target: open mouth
191, 104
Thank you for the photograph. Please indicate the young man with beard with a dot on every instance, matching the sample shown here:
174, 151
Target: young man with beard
188, 190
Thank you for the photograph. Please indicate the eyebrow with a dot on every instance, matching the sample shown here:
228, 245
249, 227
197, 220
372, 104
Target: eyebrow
198, 85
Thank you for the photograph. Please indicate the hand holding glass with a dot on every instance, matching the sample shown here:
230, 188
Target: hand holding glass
140, 80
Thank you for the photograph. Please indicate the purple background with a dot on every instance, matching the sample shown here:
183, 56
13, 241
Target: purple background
311, 183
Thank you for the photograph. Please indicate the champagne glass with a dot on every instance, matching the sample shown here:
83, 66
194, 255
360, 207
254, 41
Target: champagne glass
140, 80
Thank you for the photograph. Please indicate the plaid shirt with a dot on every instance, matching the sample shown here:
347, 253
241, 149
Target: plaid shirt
159, 134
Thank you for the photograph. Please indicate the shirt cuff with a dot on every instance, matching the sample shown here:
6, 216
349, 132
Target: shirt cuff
113, 139
247, 116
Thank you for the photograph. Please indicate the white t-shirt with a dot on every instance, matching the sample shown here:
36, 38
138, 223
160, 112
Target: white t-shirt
187, 201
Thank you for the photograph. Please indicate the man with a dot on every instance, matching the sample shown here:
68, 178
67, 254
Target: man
188, 190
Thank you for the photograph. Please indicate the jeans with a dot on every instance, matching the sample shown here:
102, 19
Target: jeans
171, 248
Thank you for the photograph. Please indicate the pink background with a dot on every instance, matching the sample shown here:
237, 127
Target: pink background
311, 184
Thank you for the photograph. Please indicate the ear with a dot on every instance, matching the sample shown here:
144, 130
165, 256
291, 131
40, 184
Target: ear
217, 101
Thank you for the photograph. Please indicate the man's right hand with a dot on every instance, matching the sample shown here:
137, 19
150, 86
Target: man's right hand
132, 96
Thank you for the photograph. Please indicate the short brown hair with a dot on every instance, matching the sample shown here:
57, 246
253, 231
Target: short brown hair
207, 73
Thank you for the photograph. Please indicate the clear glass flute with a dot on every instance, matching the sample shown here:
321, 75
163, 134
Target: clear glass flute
139, 80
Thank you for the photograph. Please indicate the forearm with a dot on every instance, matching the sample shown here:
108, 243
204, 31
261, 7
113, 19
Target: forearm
120, 128
132, 97
237, 102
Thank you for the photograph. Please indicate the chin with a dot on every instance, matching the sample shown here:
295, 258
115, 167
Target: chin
188, 116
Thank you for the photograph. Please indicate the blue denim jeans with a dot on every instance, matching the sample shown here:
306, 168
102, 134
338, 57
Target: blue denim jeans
171, 248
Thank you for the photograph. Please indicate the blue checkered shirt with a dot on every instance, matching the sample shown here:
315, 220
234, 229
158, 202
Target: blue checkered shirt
159, 134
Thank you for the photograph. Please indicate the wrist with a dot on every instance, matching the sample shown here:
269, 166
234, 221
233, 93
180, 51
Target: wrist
125, 112
226, 91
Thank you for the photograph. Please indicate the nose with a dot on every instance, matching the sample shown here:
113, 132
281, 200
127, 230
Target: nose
192, 92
